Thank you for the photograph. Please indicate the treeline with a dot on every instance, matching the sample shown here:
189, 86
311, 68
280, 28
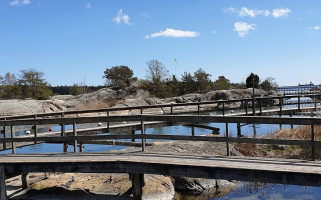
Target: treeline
160, 84
30, 83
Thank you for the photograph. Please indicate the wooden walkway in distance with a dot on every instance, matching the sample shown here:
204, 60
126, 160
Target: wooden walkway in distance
294, 172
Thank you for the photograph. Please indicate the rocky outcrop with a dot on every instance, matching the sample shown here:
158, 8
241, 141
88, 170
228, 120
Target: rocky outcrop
196, 186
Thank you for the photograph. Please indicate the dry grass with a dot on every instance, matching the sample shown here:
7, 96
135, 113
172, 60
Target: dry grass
285, 151
97, 104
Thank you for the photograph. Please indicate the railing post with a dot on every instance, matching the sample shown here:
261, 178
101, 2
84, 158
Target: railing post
133, 133
299, 106
223, 109
3, 190
238, 127
193, 130
35, 129
315, 103
141, 111
226, 136
261, 104
171, 109
246, 109
280, 104
63, 133
74, 128
4, 145
81, 147
291, 116
198, 109
312, 141
108, 121
143, 133
13, 145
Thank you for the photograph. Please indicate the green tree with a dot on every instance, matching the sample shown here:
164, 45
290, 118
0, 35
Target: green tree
269, 84
202, 79
75, 90
33, 84
252, 78
118, 77
188, 83
222, 83
156, 75
9, 86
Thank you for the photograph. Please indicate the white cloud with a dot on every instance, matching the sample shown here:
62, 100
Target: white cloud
243, 28
173, 33
315, 28
88, 5
280, 12
121, 18
19, 2
246, 12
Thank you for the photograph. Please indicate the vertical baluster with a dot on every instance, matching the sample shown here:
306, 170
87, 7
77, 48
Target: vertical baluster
75, 134
13, 145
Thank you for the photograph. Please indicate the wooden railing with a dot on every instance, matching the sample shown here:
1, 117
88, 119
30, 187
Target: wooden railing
247, 104
74, 139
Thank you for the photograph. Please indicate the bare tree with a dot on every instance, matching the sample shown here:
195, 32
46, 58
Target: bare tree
156, 71
156, 75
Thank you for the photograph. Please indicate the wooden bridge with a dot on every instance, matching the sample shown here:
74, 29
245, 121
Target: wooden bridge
300, 172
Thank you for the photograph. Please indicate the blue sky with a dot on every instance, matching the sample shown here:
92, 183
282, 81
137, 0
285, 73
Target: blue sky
76, 40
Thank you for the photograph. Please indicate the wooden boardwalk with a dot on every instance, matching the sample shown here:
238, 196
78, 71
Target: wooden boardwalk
296, 172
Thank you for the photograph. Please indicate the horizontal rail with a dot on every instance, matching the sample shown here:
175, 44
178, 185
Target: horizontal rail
167, 118
114, 109
84, 139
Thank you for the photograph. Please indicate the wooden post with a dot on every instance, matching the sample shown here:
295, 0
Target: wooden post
3, 190
141, 111
226, 136
4, 136
198, 109
291, 124
193, 130
280, 104
137, 185
143, 133
133, 133
25, 180
13, 147
171, 109
246, 110
238, 126
81, 147
253, 99
312, 141
315, 103
108, 122
261, 105
75, 134
63, 133
223, 109
35, 130
299, 109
